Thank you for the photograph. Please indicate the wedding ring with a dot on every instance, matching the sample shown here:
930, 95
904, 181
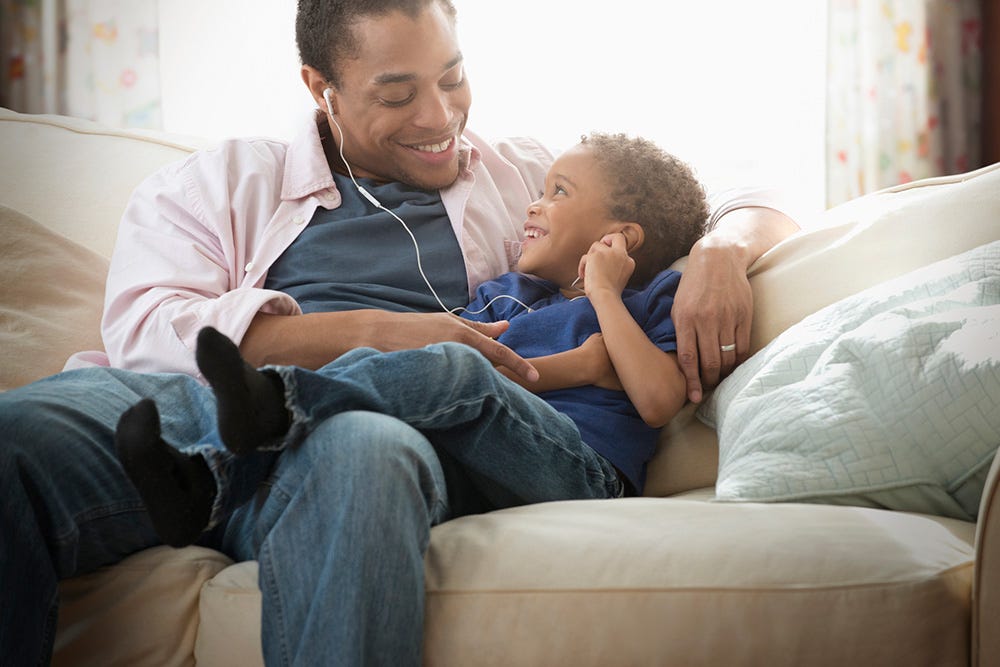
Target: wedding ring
728, 348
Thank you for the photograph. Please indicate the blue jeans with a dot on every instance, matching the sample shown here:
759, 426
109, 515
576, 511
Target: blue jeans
498, 432
340, 524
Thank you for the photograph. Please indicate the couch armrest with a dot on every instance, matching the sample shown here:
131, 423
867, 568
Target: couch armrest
986, 581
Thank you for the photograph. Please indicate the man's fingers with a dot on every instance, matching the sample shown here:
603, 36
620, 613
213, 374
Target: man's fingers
496, 352
711, 358
502, 355
488, 329
687, 358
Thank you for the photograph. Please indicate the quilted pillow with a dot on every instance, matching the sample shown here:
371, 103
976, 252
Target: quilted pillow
889, 398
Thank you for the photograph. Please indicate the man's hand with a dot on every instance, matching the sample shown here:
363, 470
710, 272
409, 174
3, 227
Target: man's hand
402, 331
712, 310
713, 307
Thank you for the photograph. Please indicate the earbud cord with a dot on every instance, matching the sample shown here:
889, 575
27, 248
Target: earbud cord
416, 246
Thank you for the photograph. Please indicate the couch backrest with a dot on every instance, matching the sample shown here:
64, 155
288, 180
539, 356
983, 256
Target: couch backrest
847, 249
65, 183
74, 176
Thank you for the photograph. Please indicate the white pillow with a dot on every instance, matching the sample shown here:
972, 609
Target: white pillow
889, 398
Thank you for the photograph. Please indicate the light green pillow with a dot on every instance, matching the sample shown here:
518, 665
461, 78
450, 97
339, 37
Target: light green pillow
888, 398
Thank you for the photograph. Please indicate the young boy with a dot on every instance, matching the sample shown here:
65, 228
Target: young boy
615, 212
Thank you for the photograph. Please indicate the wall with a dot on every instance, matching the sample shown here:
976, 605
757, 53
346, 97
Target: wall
991, 78
736, 88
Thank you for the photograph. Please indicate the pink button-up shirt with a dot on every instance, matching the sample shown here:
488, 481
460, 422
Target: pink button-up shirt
198, 237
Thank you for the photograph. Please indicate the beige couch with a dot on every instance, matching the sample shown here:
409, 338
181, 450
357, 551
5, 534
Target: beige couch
668, 579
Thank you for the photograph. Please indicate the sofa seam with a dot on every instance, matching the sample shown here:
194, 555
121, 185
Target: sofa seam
950, 572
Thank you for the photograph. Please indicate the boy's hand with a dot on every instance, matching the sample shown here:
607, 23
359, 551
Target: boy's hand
604, 371
607, 266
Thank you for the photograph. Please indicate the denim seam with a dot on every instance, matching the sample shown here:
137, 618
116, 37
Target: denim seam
96, 514
299, 422
274, 597
520, 424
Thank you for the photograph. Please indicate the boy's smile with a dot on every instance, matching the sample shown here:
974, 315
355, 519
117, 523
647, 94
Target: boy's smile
569, 216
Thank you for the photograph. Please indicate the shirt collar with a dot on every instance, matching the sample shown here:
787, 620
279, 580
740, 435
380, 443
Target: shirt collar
306, 169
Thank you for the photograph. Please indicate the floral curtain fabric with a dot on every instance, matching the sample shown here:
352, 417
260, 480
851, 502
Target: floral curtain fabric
904, 92
96, 59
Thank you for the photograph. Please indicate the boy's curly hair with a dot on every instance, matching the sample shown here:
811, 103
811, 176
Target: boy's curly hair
656, 190
323, 28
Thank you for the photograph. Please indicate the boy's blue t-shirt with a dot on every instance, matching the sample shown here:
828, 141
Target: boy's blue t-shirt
607, 420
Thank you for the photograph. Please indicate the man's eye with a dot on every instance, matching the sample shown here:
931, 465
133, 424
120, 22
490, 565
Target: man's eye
454, 86
395, 103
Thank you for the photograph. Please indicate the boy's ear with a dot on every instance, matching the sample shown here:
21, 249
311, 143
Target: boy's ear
634, 236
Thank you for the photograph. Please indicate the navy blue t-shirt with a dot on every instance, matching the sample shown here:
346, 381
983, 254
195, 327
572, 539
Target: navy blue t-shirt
607, 420
358, 256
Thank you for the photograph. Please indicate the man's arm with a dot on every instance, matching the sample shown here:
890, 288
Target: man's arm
313, 340
713, 306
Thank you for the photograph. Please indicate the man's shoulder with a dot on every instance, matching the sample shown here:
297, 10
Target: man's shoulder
242, 151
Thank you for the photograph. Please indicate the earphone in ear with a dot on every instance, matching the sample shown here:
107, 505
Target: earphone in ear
329, 104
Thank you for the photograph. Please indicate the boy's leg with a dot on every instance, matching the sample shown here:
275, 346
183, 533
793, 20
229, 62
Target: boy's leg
68, 507
519, 447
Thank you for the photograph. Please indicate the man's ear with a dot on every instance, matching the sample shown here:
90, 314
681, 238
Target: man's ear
317, 83
634, 236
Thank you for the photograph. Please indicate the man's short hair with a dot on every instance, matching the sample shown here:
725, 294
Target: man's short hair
323, 28
655, 189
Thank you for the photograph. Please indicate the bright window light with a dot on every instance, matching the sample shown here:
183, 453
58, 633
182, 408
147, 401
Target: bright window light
735, 88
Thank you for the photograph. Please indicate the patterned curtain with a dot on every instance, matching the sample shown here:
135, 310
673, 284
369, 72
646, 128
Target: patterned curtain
96, 59
904, 92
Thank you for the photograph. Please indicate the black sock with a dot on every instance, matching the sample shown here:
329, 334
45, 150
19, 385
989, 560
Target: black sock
178, 489
251, 403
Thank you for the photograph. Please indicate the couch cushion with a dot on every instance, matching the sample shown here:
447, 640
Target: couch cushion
53, 291
845, 250
648, 581
142, 611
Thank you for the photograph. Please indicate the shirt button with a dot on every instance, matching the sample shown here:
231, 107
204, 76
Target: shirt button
298, 220
249, 267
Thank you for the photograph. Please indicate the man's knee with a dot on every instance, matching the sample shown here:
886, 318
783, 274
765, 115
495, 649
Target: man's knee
366, 445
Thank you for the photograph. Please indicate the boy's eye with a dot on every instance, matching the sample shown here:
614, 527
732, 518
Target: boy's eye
558, 190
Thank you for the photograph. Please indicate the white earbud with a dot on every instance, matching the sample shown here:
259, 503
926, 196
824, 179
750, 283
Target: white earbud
329, 105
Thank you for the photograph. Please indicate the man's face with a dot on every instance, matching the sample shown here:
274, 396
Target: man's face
404, 101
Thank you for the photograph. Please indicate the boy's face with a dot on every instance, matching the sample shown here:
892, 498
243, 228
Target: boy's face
403, 102
567, 219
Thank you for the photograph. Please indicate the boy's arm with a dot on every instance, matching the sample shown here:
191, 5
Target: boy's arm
651, 377
588, 364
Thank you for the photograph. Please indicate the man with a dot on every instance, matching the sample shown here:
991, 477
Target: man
275, 246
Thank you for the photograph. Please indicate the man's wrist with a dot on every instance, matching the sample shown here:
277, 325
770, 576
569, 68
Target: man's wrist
719, 247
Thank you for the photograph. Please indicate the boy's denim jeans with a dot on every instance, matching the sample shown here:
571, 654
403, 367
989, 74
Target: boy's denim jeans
340, 524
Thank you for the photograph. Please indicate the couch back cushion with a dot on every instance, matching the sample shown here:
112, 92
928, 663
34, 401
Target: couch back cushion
845, 250
75, 176
66, 183
53, 289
